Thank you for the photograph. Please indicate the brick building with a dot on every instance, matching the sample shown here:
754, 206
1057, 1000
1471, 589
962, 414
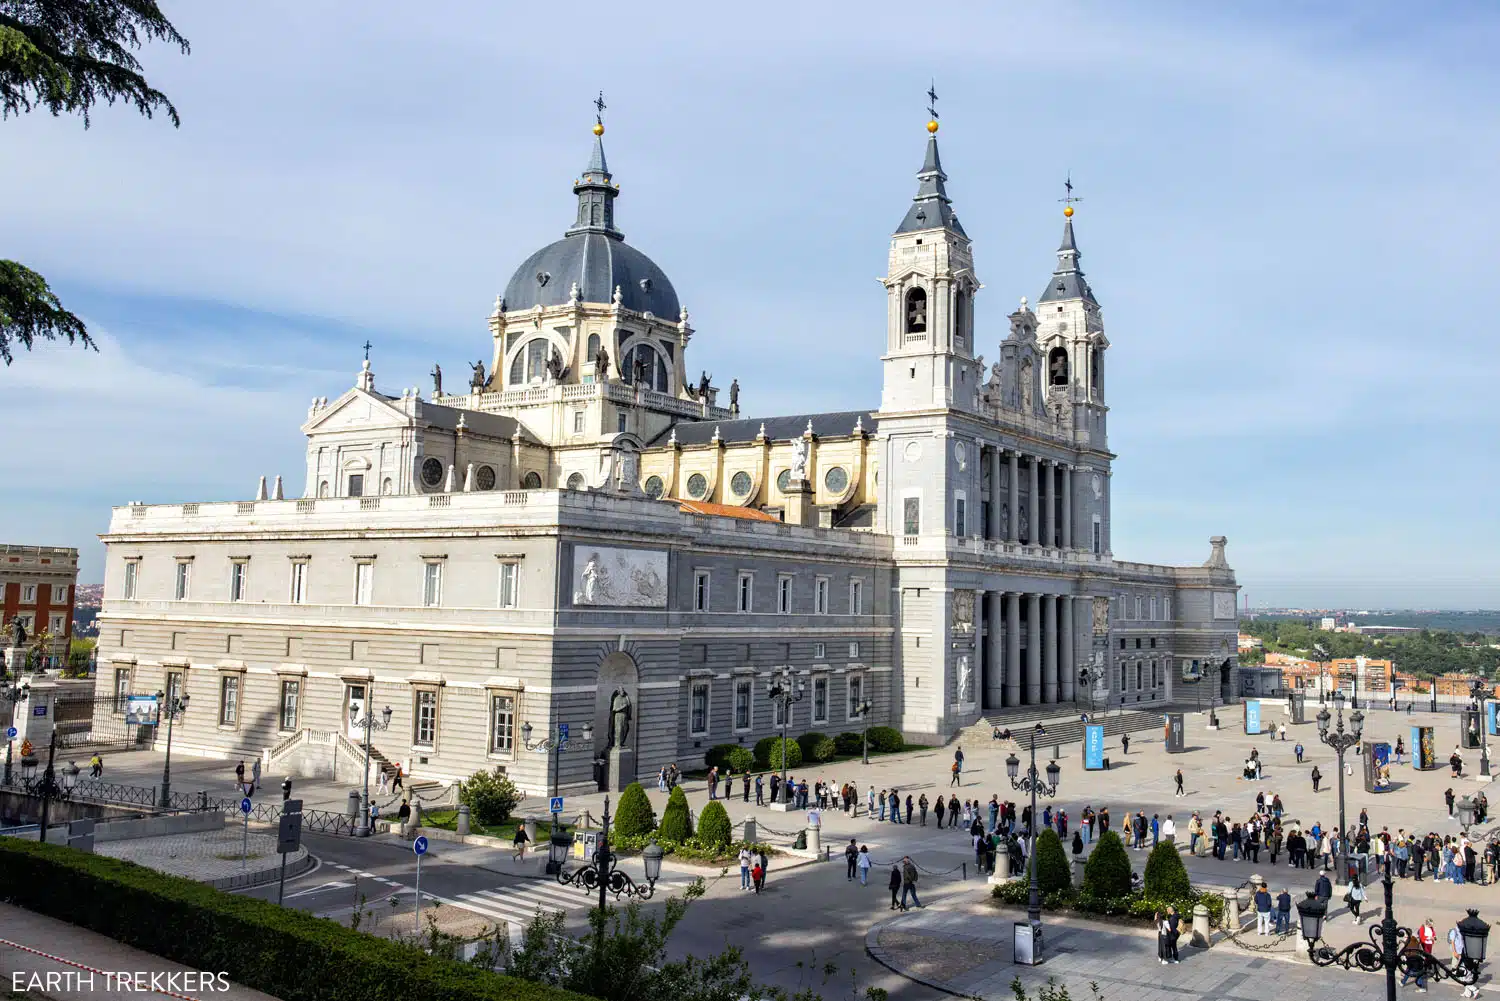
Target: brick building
37, 584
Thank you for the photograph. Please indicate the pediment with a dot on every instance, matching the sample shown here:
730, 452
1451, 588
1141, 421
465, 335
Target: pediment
356, 409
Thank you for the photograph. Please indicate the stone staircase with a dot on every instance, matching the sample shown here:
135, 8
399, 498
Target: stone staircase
1064, 727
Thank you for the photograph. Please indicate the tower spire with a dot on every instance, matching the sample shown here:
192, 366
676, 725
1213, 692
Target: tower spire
1067, 281
931, 208
595, 190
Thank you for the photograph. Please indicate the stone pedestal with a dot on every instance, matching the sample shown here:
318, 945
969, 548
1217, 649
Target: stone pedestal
799, 504
621, 768
751, 833
34, 717
1002, 868
815, 835
15, 659
1202, 934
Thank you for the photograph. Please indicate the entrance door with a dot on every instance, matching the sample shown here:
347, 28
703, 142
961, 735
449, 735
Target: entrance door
354, 710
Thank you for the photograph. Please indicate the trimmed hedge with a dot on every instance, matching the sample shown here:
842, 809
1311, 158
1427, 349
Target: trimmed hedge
885, 739
256, 943
718, 756
763, 750
741, 759
633, 814
809, 742
1166, 876
793, 755
1106, 874
849, 742
676, 822
714, 828
1053, 870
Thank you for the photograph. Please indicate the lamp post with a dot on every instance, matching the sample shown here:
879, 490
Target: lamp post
367, 723
1033, 784
553, 747
864, 731
49, 788
786, 692
600, 874
1386, 948
171, 708
1481, 692
1341, 742
15, 695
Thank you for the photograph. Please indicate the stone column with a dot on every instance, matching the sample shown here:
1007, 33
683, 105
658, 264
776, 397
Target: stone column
976, 683
992, 530
1012, 642
1067, 506
1033, 644
1013, 530
996, 672
1068, 670
1049, 649
1034, 512
1048, 475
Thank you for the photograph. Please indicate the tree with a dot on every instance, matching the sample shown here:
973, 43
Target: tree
634, 816
490, 796
67, 56
1107, 872
676, 822
714, 828
1053, 871
1166, 877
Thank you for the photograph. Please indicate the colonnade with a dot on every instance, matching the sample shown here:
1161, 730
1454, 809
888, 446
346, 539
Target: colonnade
1048, 523
1045, 670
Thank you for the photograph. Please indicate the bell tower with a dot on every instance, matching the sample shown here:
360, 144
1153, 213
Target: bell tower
1070, 337
930, 286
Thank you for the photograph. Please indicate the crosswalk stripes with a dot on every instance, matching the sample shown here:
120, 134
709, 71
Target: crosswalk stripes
516, 905
365, 875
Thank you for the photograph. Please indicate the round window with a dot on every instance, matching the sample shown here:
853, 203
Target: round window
836, 479
697, 486
484, 477
531, 481
575, 482
432, 472
654, 487
784, 480
740, 484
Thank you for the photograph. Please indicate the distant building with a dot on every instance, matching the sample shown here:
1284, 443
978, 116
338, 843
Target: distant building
1328, 623
1247, 642
37, 585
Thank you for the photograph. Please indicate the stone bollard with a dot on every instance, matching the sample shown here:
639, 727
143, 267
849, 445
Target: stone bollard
1232, 912
815, 835
530, 830
353, 807
750, 831
462, 825
1202, 934
1002, 867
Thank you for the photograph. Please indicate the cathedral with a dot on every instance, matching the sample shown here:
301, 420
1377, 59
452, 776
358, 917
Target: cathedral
582, 545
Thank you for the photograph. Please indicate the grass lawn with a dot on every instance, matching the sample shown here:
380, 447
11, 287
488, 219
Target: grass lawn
448, 821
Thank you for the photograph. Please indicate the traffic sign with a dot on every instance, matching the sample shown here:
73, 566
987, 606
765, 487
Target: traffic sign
419, 846
11, 733
246, 806
562, 731
289, 833
557, 805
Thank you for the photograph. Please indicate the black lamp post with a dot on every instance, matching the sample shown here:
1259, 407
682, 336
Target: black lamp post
553, 747
600, 874
50, 789
864, 731
1386, 948
367, 723
1481, 692
787, 692
1341, 742
1032, 783
171, 709
15, 696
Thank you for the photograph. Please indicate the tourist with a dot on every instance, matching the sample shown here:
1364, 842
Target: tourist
382, 783
1263, 910
1174, 930
1400, 750
758, 876
1282, 731
1169, 830
863, 865
922, 809
1317, 777
1456, 762
1179, 784
745, 883
958, 768
1354, 896
404, 813
937, 808
952, 811
518, 842
96, 766
870, 802
1124, 744
713, 783
1283, 921
745, 786
909, 882
895, 885
1298, 751
1077, 845
661, 779
1160, 920
1414, 962
397, 780
239, 780
1323, 889
910, 804
1448, 798
760, 790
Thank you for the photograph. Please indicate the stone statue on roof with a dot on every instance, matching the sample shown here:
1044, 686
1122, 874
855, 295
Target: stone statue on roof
478, 380
800, 452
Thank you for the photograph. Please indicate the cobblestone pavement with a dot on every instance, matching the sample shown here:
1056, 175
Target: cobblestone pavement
205, 856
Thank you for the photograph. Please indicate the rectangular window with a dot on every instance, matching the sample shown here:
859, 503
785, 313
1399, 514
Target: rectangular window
820, 596
1153, 606
1098, 538
28, 594
299, 584
132, 575
1166, 607
854, 649
237, 571
432, 584
229, 700
1153, 674
856, 695
620, 422
856, 596
59, 594
424, 724
502, 723
1138, 676
820, 700
356, 484
509, 574
578, 422
184, 581
1138, 607
747, 592
820, 651
960, 519
783, 594
364, 583
911, 515
700, 591
55, 625
174, 687
290, 690
122, 688
698, 725
742, 703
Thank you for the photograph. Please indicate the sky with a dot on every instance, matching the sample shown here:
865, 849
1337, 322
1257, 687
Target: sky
1286, 217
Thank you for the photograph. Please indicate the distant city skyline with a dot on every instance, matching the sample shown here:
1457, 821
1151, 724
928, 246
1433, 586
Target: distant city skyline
1271, 201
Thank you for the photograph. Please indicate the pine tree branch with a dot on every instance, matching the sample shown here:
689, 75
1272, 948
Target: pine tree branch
30, 310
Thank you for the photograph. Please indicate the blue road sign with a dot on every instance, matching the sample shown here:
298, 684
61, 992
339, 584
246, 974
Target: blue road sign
11, 733
245, 805
419, 846
562, 731
556, 805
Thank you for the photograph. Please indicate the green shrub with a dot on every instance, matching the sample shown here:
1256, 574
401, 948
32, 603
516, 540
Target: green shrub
1166, 877
490, 797
763, 750
850, 742
808, 742
1053, 870
718, 756
1107, 872
714, 828
885, 739
793, 755
741, 759
633, 814
676, 822
253, 942
825, 750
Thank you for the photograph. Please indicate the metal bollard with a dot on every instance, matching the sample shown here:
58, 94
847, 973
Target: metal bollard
353, 807
462, 825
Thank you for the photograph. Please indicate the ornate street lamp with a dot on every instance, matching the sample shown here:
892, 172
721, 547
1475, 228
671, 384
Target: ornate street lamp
171, 709
1033, 784
1341, 742
864, 731
1466, 810
1481, 692
785, 693
367, 723
602, 875
553, 747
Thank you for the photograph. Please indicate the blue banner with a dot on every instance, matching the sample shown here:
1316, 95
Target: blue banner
1093, 746
1252, 715
1490, 723
1423, 749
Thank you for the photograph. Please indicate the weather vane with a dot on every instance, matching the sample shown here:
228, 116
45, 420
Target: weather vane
932, 100
1070, 199
599, 107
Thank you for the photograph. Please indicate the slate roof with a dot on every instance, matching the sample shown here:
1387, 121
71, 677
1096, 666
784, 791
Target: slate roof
931, 208
835, 425
438, 416
1067, 281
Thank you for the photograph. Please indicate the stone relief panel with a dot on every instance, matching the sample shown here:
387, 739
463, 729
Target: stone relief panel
1223, 604
1101, 616
963, 611
635, 578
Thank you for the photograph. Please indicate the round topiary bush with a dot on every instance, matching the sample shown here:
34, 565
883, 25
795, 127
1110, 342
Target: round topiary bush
634, 816
849, 742
809, 742
763, 750
741, 759
1166, 876
676, 822
793, 755
825, 750
886, 739
718, 755
1053, 871
1107, 872
714, 829
490, 797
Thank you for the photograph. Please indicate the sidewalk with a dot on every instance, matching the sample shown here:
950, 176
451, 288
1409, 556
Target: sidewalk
66, 963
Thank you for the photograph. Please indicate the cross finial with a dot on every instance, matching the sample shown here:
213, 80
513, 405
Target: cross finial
599, 107
932, 99
1068, 184
367, 350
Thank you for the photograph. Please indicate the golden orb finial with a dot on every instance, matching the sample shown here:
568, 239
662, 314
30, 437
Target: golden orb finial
598, 128
1068, 211
932, 125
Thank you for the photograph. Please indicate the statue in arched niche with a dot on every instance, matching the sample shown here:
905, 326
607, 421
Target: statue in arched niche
1028, 398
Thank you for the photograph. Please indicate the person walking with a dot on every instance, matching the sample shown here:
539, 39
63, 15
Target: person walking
254, 776
383, 782
1317, 777
745, 883
758, 876
1124, 744
1179, 784
895, 885
1414, 960
1263, 910
1298, 751
958, 767
1354, 896
518, 842
398, 780
863, 865
96, 766
1400, 750
851, 859
1323, 889
909, 882
403, 814
239, 780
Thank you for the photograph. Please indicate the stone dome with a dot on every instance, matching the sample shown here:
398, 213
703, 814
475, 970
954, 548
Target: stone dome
599, 262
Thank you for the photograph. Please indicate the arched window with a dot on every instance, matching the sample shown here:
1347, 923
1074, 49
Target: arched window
575, 482
386, 487
962, 325
1057, 367
1094, 373
642, 360
916, 311
593, 348
530, 363
531, 481
323, 489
